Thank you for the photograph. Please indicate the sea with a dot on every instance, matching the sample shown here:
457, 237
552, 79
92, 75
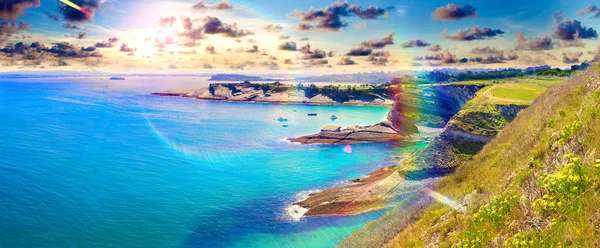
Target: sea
88, 162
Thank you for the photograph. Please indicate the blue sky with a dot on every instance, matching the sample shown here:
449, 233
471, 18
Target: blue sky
150, 45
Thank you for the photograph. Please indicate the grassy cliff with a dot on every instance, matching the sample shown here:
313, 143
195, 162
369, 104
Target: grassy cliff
536, 184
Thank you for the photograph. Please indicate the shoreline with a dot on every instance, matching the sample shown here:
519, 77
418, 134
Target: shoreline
363, 104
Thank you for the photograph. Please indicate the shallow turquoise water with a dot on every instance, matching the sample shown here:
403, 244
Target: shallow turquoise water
90, 163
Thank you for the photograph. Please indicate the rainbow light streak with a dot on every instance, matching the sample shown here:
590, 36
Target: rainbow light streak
445, 200
75, 6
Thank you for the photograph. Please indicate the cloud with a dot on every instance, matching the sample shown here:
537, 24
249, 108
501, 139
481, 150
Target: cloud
36, 52
213, 25
572, 58
359, 51
284, 37
379, 58
73, 26
271, 65
125, 48
572, 29
191, 32
452, 12
484, 50
11, 9
494, 59
309, 54
107, 44
346, 61
287, 46
80, 35
443, 58
474, 33
535, 44
253, 49
207, 66
379, 43
167, 21
273, 28
209, 49
220, 6
315, 62
590, 9
435, 48
8, 29
73, 15
52, 16
304, 27
415, 43
330, 17
287, 61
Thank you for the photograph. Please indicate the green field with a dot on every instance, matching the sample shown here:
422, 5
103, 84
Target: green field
517, 92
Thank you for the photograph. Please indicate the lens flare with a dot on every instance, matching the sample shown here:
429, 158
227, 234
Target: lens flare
75, 6
445, 200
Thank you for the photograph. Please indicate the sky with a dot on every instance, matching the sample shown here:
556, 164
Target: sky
294, 37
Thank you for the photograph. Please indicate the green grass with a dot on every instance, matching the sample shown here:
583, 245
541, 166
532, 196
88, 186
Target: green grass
518, 92
508, 181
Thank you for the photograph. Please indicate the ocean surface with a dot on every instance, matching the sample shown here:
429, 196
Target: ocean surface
98, 163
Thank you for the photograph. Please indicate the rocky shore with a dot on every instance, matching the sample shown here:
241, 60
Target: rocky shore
334, 134
253, 93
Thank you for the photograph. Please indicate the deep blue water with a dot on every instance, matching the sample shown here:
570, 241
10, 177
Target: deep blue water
94, 163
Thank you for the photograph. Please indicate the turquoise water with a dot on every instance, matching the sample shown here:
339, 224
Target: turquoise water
93, 163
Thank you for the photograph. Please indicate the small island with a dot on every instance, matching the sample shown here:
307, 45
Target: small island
117, 78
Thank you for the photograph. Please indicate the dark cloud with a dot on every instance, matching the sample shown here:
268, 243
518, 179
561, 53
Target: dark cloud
590, 9
359, 51
213, 25
287, 61
8, 29
287, 46
52, 16
273, 28
444, 58
125, 48
572, 57
73, 26
107, 44
494, 59
330, 17
253, 49
346, 61
484, 50
88, 49
80, 35
220, 6
415, 43
304, 27
379, 43
38, 52
536, 44
435, 48
11, 9
191, 32
73, 15
452, 12
370, 12
315, 62
474, 33
379, 58
572, 30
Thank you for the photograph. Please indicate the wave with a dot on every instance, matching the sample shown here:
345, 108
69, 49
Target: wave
68, 100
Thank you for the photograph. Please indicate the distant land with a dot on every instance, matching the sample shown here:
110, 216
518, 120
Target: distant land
239, 77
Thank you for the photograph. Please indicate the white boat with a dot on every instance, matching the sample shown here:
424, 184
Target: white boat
333, 117
282, 119
285, 125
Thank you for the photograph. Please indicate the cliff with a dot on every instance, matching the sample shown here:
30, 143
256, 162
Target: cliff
288, 94
535, 184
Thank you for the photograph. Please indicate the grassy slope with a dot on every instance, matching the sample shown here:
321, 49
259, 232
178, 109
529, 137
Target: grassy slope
485, 174
512, 204
520, 92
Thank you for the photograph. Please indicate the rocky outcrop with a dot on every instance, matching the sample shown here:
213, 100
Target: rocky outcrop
380, 132
463, 137
269, 93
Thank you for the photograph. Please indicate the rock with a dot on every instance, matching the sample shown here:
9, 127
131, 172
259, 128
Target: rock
331, 128
334, 134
